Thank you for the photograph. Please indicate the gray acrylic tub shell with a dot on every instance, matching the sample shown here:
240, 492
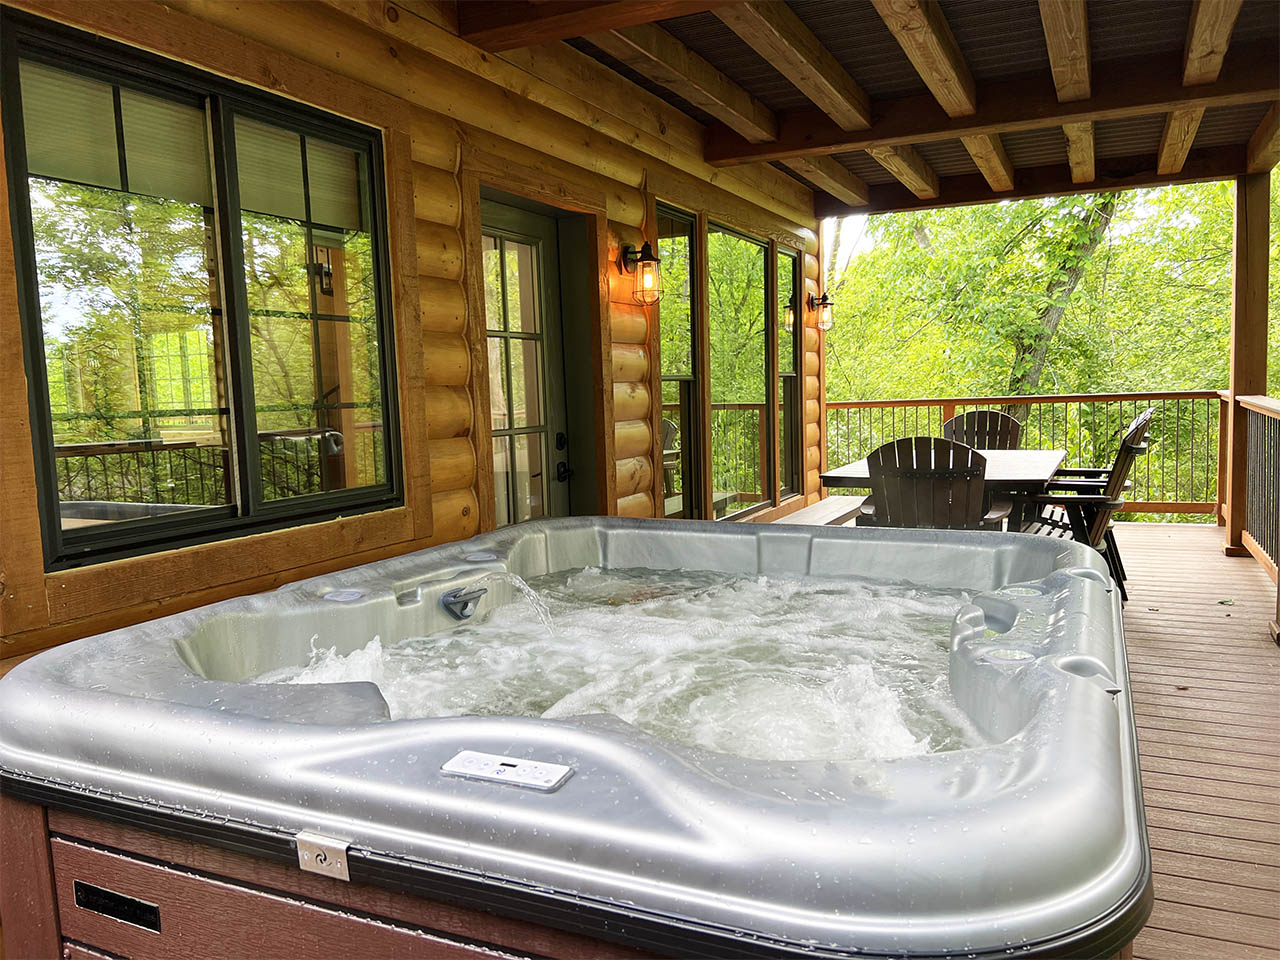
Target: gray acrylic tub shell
1038, 834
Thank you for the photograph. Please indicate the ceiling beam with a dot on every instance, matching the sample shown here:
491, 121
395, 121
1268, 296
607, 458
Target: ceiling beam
652, 51
1066, 35
782, 39
1080, 150
1263, 151
496, 25
1135, 87
926, 38
910, 168
1208, 35
830, 175
1114, 173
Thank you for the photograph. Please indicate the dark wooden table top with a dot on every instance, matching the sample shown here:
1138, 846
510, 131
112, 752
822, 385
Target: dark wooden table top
1006, 470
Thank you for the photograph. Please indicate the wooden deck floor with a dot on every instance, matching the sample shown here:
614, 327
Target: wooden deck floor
1206, 691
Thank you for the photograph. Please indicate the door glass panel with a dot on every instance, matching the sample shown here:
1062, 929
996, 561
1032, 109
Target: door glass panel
527, 477
788, 420
517, 391
681, 498
675, 310
526, 384
673, 433
736, 314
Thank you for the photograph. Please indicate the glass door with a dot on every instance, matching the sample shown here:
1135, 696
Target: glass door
526, 364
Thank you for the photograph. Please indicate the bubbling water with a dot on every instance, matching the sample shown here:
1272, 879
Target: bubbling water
769, 668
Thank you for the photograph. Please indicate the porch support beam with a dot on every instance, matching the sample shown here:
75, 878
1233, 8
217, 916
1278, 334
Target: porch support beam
508, 24
1114, 173
910, 169
1130, 88
830, 175
1248, 370
1208, 34
1080, 151
1066, 36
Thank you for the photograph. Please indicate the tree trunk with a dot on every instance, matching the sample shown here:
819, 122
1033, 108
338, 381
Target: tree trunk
1031, 350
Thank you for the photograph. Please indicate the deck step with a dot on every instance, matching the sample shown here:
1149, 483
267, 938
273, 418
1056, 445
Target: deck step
831, 512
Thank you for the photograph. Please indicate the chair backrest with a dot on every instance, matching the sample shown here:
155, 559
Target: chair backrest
1131, 444
984, 429
670, 432
927, 482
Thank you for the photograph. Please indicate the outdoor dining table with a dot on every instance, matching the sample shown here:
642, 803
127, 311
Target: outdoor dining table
1008, 471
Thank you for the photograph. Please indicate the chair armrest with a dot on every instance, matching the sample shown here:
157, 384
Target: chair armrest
1083, 486
1083, 472
1066, 499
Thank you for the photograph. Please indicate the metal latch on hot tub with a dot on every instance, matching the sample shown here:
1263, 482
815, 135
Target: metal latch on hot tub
320, 854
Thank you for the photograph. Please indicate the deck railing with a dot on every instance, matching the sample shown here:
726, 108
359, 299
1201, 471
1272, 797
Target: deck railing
1179, 474
1261, 534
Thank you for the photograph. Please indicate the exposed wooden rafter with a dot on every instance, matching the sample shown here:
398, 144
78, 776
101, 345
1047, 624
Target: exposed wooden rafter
1208, 35
662, 58
910, 169
1263, 151
779, 36
1114, 173
827, 174
1134, 87
1066, 36
926, 38
507, 24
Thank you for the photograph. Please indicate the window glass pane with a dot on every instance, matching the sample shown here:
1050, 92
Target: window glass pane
495, 318
736, 313
133, 353
787, 309
269, 169
334, 178
313, 320
675, 310
70, 126
522, 288
672, 450
167, 148
527, 477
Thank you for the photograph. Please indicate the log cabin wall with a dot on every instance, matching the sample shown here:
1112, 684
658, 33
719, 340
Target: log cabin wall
547, 123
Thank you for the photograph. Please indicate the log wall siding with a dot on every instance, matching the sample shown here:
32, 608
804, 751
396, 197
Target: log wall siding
439, 105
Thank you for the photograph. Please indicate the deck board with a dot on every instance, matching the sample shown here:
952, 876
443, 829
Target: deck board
1206, 694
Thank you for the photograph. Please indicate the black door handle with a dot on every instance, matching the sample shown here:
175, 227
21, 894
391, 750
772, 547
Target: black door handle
563, 472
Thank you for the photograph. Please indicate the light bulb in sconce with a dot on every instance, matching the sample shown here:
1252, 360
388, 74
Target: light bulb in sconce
644, 266
823, 307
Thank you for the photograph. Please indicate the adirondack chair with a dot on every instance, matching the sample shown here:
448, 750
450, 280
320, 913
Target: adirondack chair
984, 429
926, 482
1083, 500
670, 455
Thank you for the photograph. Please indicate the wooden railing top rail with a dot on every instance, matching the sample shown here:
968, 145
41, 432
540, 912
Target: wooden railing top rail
1044, 398
1267, 406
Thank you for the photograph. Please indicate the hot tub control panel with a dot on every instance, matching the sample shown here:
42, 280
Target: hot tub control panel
534, 774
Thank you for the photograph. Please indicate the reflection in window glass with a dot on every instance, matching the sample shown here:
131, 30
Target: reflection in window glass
739, 409
128, 290
788, 379
313, 323
679, 396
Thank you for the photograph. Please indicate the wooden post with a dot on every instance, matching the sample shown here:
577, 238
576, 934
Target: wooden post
27, 904
1224, 426
1248, 372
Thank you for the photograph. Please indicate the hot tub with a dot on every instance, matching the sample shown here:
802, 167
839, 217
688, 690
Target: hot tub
1028, 840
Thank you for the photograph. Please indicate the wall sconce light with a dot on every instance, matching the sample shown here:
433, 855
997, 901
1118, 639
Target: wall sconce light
789, 316
823, 307
644, 265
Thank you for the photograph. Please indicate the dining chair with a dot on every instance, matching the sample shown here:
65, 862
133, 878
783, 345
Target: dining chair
1082, 500
984, 429
926, 482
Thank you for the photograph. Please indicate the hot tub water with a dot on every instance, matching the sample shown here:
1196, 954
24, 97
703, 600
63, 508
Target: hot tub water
770, 668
